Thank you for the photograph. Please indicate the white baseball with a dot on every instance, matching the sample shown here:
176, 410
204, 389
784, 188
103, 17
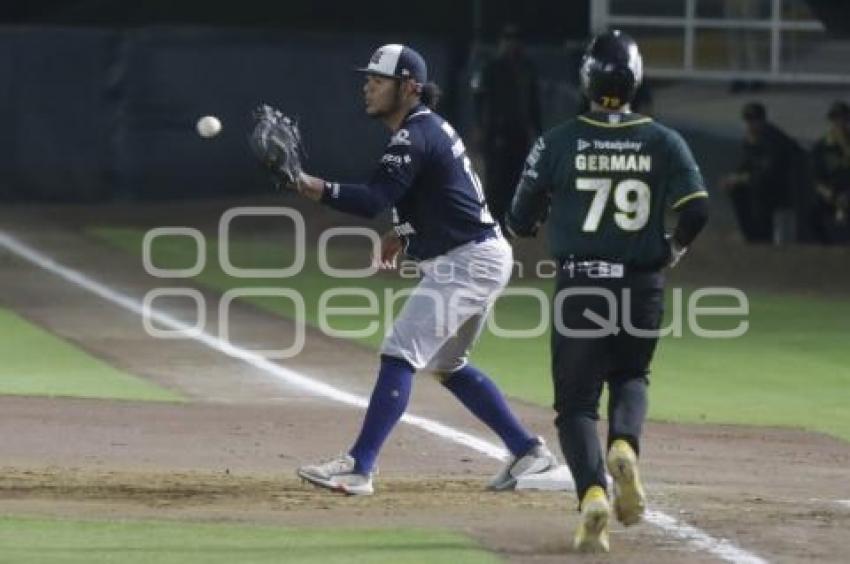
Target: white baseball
208, 126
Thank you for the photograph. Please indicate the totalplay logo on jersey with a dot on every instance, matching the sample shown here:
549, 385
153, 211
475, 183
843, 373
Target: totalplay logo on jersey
616, 145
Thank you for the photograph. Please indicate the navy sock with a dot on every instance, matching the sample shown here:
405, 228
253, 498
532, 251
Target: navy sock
387, 405
481, 396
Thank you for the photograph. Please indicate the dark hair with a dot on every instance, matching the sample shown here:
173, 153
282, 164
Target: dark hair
430, 94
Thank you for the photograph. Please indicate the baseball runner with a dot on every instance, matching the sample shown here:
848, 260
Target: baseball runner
441, 220
606, 178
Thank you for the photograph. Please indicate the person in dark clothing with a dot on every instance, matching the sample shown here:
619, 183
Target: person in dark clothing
762, 188
605, 181
507, 101
831, 168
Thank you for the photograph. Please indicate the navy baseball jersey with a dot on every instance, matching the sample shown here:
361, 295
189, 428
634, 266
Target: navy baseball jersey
426, 176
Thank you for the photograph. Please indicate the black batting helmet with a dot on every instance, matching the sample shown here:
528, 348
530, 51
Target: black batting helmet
612, 69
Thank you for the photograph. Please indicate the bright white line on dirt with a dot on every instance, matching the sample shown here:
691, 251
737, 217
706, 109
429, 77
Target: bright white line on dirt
722, 548
842, 502
695, 538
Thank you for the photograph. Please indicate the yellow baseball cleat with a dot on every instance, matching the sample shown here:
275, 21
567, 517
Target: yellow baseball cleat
629, 497
592, 532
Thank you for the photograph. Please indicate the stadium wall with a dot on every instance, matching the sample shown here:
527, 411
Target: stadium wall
95, 114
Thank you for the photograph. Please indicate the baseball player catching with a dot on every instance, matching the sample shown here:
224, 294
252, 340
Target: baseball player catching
440, 219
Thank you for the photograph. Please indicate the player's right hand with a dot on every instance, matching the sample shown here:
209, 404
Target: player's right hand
391, 246
676, 251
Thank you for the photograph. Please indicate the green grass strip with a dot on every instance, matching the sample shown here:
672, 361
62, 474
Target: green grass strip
34, 541
40, 364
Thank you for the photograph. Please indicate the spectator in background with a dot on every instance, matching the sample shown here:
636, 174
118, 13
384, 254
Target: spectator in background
507, 112
762, 188
831, 164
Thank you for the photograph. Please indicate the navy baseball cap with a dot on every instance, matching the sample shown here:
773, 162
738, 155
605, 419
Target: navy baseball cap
397, 61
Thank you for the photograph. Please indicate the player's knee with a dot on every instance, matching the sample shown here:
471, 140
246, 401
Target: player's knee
568, 407
629, 379
444, 369
444, 373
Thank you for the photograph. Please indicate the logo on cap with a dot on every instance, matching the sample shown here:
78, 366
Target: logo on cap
376, 57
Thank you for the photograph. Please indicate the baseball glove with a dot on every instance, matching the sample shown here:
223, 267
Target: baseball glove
276, 142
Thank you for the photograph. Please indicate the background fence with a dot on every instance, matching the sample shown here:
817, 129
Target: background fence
92, 114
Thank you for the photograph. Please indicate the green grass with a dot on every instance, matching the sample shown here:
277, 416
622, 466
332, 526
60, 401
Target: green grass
26, 541
38, 363
792, 368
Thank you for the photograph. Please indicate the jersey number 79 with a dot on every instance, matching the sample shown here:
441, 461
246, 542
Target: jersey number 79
631, 198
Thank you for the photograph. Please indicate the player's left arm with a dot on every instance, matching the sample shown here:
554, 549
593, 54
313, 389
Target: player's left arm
688, 198
396, 172
365, 200
530, 205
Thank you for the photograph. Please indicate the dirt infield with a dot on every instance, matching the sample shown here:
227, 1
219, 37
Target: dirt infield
230, 453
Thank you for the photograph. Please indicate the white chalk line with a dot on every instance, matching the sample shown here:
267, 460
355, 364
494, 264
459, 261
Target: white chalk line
700, 540
842, 502
692, 536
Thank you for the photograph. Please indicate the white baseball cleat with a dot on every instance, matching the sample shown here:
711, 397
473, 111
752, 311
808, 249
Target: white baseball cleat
338, 475
537, 460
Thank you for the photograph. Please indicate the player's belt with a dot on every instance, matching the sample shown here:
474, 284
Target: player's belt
594, 268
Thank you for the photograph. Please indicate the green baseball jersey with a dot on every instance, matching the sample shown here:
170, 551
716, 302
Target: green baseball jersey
606, 180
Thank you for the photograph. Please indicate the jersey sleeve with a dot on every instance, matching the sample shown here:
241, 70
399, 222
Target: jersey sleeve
530, 205
685, 180
396, 172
